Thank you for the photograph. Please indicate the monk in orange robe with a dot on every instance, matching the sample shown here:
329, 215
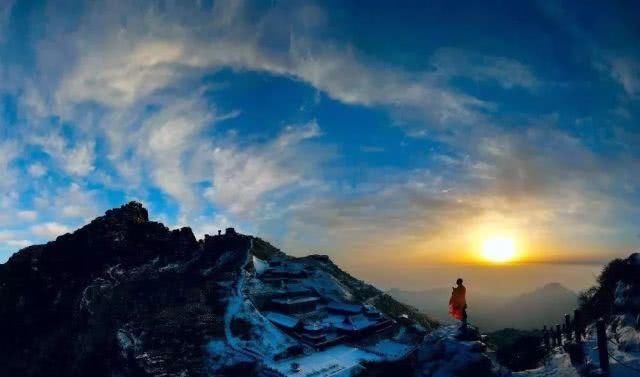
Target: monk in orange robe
458, 302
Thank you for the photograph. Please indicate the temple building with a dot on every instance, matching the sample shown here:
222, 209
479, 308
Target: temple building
344, 308
295, 305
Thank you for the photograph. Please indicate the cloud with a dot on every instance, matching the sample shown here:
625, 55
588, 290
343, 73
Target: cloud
19, 244
296, 133
626, 71
6, 6
242, 177
49, 229
383, 219
73, 202
8, 201
118, 67
11, 240
122, 74
9, 151
508, 73
133, 61
609, 56
537, 182
6, 235
167, 139
76, 202
75, 159
37, 170
27, 215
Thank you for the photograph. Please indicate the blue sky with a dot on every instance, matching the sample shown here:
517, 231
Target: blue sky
403, 132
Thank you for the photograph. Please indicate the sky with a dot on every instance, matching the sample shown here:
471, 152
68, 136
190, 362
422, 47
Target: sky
393, 136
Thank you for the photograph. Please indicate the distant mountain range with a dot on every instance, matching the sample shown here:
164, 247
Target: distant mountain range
543, 306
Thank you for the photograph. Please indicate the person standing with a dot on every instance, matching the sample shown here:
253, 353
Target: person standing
458, 302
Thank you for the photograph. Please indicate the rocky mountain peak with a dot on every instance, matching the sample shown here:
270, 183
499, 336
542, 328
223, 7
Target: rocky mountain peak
132, 212
120, 296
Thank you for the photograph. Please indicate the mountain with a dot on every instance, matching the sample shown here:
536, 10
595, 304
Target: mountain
126, 296
543, 306
121, 296
531, 310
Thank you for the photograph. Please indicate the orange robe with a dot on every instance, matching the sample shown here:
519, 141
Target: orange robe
458, 302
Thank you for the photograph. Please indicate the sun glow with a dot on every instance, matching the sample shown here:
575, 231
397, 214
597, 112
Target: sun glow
499, 249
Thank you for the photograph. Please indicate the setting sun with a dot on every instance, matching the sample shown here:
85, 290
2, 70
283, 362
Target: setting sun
499, 249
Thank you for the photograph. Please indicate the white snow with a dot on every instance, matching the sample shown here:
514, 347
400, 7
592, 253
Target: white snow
626, 336
266, 340
355, 322
124, 341
282, 319
297, 300
233, 308
169, 267
558, 365
390, 350
260, 265
340, 360
622, 361
328, 286
345, 307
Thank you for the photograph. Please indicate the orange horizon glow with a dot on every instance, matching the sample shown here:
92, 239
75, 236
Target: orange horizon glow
530, 246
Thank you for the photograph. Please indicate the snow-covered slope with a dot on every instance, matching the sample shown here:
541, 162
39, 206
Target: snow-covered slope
557, 365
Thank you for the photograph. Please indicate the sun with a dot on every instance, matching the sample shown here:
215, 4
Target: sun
499, 249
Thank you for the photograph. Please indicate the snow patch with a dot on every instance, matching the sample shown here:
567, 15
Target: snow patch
558, 365
340, 360
260, 265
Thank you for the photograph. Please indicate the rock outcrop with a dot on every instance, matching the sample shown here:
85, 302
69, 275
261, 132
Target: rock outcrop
450, 352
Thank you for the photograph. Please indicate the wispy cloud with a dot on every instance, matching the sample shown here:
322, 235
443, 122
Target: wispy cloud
242, 177
28, 215
626, 71
119, 67
506, 72
49, 229
74, 159
9, 151
6, 6
37, 170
